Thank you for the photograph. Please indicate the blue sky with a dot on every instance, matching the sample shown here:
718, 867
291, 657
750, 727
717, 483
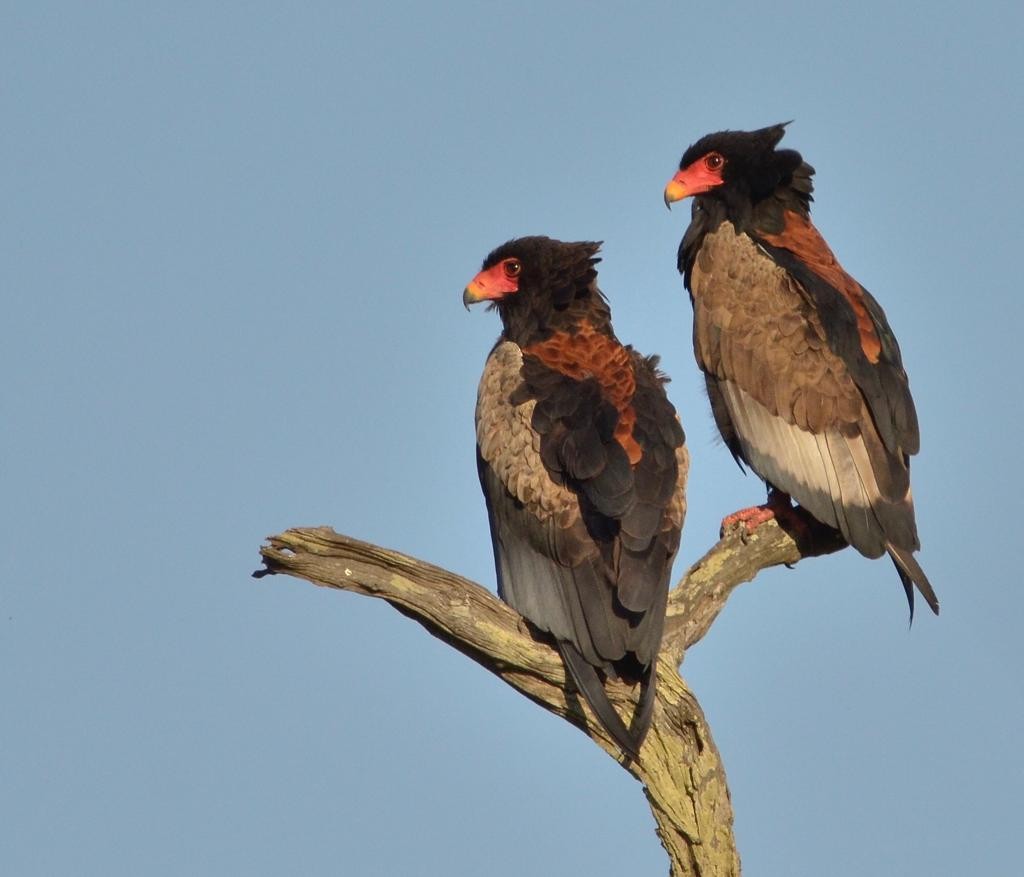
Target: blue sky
232, 249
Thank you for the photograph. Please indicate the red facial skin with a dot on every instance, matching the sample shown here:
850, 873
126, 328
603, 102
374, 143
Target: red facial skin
495, 283
701, 176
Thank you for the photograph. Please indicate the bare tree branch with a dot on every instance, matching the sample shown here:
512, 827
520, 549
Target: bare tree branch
679, 765
695, 602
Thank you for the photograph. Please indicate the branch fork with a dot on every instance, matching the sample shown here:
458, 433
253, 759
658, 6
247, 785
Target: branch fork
679, 765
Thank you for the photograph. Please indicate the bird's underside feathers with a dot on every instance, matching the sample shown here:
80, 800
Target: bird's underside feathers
807, 390
585, 514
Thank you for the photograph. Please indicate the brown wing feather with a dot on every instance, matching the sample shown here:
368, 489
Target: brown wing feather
856, 326
604, 597
801, 238
790, 407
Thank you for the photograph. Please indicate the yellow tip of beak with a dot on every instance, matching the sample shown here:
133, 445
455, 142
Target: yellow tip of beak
674, 191
471, 295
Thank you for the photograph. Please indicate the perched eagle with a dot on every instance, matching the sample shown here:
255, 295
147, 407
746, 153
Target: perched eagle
803, 372
583, 468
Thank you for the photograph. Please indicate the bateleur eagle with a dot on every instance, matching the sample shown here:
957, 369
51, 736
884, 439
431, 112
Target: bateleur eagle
804, 374
583, 466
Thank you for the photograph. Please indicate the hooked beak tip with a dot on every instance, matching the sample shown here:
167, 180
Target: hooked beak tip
676, 190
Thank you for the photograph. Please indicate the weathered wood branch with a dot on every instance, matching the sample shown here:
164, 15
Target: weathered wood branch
736, 558
679, 765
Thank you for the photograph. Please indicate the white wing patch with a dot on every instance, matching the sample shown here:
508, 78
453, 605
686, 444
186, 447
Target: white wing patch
830, 474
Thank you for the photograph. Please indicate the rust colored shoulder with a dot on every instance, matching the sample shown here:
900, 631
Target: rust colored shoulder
803, 240
588, 353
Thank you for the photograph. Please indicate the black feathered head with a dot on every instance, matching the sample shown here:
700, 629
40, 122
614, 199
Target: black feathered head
539, 284
739, 166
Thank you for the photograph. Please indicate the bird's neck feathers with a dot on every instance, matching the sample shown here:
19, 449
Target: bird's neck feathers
753, 206
537, 315
748, 209
792, 195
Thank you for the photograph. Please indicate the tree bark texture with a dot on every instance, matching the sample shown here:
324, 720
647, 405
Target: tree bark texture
679, 765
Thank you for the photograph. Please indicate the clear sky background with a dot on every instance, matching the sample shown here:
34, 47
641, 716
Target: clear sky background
233, 242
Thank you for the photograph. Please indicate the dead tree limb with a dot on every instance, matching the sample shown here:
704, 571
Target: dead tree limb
679, 765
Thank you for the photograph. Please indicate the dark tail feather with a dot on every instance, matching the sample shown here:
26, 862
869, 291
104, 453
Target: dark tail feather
645, 709
911, 574
590, 686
